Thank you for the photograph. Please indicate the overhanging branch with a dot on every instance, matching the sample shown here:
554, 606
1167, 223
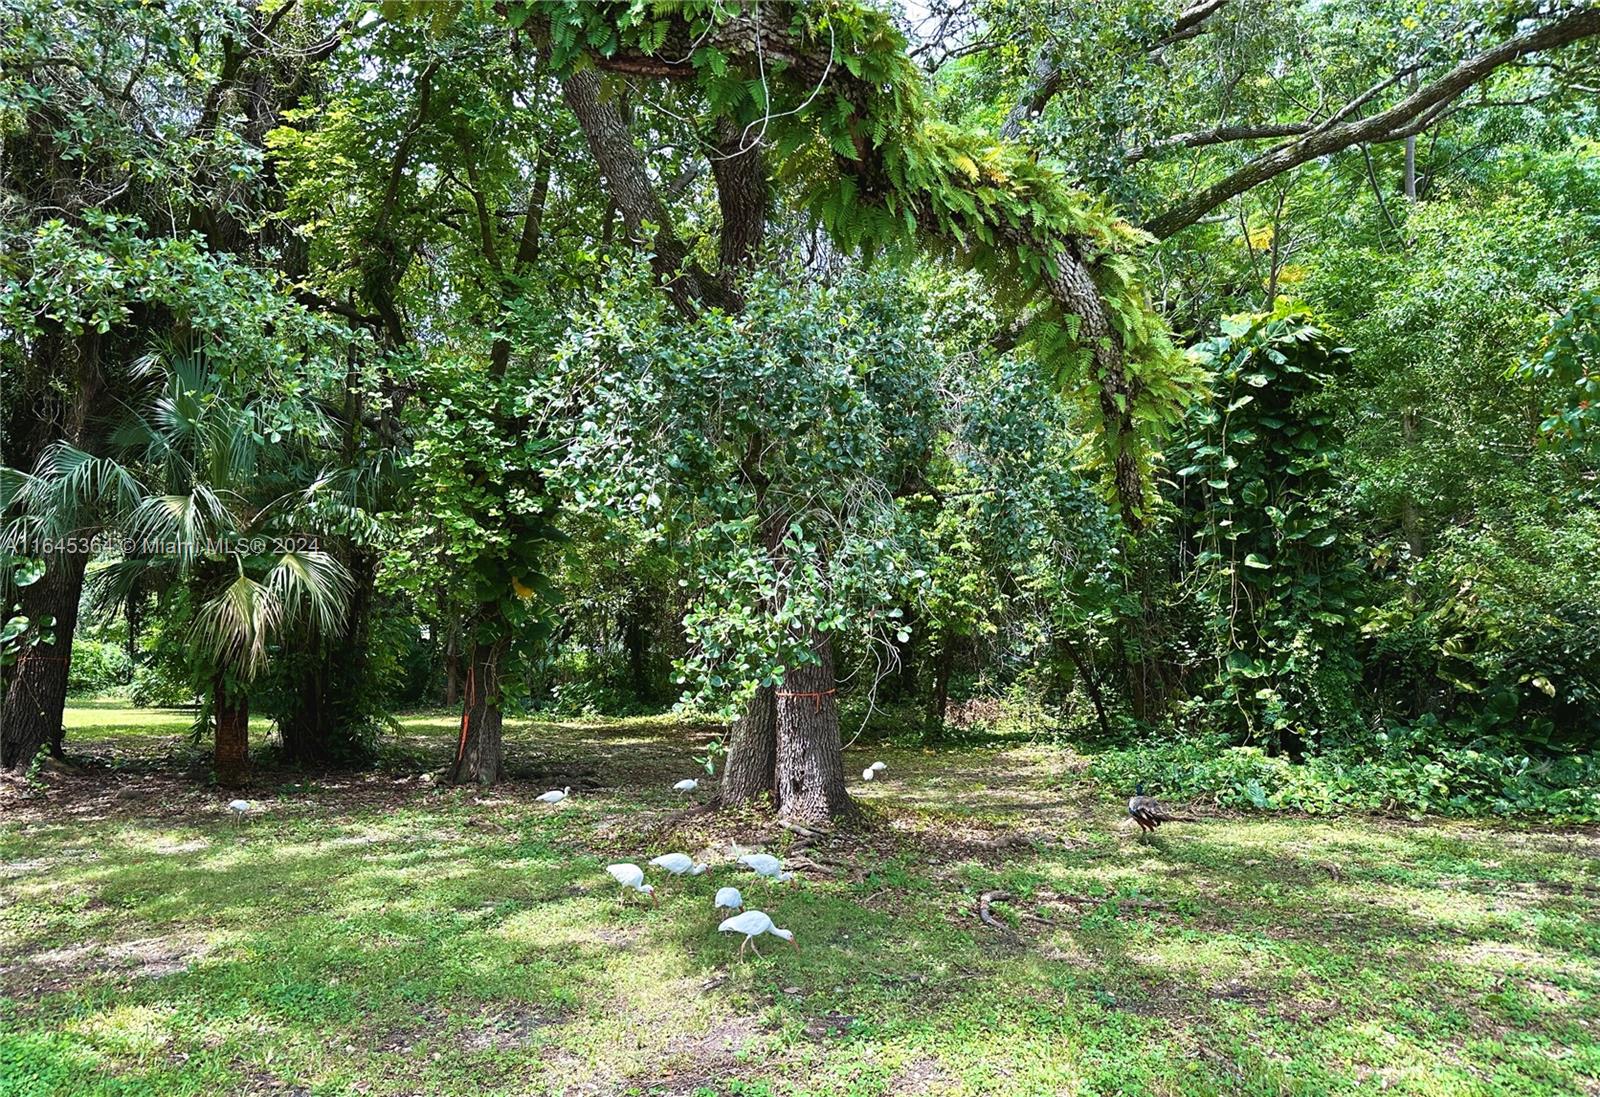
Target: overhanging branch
1047, 78
1406, 118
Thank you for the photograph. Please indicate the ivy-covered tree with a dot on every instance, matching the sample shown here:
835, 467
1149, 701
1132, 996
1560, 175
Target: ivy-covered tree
1279, 587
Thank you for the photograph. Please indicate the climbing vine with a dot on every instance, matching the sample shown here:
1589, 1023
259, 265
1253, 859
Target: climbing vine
1278, 590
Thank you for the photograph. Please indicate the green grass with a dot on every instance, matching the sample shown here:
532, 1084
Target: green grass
375, 934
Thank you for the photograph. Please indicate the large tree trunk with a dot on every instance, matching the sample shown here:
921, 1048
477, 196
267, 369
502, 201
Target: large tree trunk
479, 750
36, 688
753, 750
230, 715
810, 761
40, 415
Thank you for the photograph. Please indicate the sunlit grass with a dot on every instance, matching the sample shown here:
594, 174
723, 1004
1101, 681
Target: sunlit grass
376, 934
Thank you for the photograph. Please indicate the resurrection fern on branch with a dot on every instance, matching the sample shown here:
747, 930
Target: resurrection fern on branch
830, 87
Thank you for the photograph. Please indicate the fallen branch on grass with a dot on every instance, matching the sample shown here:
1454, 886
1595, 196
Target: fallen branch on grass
983, 908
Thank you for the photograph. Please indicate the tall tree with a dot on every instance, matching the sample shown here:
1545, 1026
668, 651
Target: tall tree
132, 155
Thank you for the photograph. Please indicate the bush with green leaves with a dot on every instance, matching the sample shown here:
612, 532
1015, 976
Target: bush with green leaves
1499, 628
1567, 357
830, 390
1409, 772
98, 667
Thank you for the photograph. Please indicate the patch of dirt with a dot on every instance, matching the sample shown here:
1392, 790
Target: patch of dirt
258, 1083
829, 1025
1242, 993
403, 1038
35, 974
506, 1029
728, 1037
920, 1078
692, 1066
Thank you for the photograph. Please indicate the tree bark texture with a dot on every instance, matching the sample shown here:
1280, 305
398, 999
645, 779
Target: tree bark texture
753, 751
480, 749
36, 687
230, 718
810, 761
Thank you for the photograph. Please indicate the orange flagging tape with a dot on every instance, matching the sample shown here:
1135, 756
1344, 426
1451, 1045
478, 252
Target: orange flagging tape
815, 694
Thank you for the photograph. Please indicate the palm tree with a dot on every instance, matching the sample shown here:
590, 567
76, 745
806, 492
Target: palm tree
214, 489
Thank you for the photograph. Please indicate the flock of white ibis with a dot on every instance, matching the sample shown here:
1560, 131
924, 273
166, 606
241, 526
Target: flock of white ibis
750, 923
630, 877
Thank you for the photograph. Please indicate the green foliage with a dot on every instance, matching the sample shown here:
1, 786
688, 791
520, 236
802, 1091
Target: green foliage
1503, 629
98, 667
20, 631
1410, 772
1268, 564
869, 162
1568, 357
765, 449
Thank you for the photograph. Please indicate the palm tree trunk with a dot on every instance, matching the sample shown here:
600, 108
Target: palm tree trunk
752, 750
480, 749
36, 688
230, 713
810, 760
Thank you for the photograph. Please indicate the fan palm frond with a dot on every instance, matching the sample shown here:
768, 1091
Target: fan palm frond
17, 488
76, 480
314, 585
110, 586
235, 626
181, 526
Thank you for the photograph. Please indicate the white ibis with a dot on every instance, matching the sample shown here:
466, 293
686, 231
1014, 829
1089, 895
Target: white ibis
728, 899
868, 774
240, 808
688, 784
555, 795
753, 923
877, 767
678, 864
631, 877
765, 864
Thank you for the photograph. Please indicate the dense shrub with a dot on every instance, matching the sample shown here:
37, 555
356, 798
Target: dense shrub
153, 686
1407, 773
98, 667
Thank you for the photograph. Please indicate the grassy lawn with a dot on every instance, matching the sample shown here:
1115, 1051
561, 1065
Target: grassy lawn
376, 934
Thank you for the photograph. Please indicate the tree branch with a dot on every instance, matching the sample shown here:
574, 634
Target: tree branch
1409, 116
1067, 275
628, 183
741, 196
1047, 77
1218, 135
